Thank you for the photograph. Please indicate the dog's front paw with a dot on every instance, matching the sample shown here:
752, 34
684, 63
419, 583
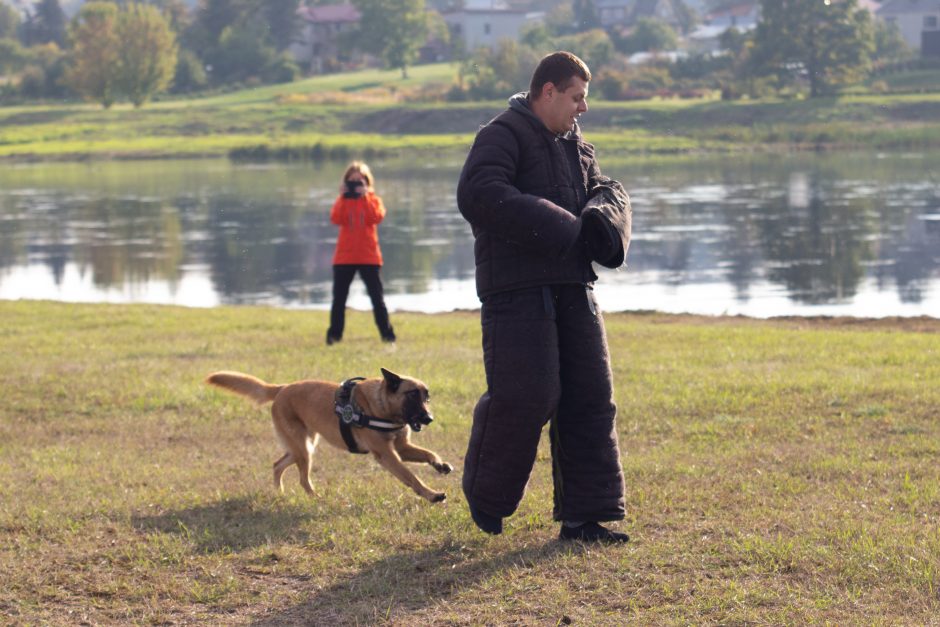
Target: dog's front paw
444, 468
438, 497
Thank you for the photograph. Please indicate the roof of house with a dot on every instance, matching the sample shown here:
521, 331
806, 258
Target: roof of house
330, 13
485, 5
653, 8
898, 7
734, 9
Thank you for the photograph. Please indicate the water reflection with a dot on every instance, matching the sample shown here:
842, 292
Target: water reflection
802, 234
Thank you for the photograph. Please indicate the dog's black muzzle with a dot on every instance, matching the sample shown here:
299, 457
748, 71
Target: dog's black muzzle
415, 410
416, 421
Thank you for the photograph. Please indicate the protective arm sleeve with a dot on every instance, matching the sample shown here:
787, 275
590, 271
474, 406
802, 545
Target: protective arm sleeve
608, 219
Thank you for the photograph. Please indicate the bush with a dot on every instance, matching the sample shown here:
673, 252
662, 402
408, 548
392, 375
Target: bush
612, 84
282, 69
33, 82
190, 74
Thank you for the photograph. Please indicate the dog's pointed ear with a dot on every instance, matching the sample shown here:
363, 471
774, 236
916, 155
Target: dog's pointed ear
392, 380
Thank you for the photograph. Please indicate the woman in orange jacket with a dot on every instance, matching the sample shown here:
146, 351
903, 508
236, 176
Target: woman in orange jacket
357, 211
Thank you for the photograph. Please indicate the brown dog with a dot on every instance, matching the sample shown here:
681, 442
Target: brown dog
305, 410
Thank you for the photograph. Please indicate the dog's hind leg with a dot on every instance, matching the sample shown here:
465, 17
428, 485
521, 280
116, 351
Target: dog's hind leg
304, 462
298, 446
279, 467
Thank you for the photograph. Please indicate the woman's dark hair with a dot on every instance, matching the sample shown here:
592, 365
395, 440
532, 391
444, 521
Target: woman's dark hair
557, 68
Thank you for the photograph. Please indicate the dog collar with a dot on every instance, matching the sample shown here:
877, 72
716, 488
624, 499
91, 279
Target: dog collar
351, 415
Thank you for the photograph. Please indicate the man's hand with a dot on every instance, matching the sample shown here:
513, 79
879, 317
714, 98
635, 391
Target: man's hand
601, 242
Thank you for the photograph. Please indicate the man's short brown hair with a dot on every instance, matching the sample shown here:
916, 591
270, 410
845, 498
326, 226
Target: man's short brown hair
557, 68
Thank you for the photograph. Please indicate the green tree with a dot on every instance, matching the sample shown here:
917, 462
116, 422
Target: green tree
594, 46
95, 53
889, 43
148, 52
43, 72
500, 72
685, 16
733, 41
241, 40
12, 56
281, 18
537, 36
649, 34
190, 75
176, 13
9, 21
558, 19
830, 40
241, 53
47, 24
585, 15
393, 30
214, 16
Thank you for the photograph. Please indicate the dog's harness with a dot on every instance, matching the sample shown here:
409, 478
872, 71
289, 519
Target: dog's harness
351, 415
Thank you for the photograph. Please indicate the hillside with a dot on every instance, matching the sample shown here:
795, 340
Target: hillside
376, 111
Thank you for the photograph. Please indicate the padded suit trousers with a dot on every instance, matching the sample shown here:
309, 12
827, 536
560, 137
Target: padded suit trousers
546, 359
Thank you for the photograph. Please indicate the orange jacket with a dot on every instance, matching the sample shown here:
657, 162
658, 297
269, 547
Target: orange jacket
358, 220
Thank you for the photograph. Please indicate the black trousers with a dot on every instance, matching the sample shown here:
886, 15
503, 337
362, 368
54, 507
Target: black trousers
546, 359
343, 275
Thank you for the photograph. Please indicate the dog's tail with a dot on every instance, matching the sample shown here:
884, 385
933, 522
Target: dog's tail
246, 385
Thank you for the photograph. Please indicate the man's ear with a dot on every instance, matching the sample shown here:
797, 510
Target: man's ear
548, 90
392, 380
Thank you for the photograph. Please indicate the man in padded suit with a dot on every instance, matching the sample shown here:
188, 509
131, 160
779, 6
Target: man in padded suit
541, 213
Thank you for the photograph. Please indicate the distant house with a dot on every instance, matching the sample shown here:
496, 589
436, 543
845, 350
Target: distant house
622, 15
918, 21
613, 13
317, 46
483, 23
670, 12
742, 16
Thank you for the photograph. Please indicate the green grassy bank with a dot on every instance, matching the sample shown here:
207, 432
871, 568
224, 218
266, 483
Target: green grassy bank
376, 113
778, 472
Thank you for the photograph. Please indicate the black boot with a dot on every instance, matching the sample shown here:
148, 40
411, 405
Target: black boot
591, 532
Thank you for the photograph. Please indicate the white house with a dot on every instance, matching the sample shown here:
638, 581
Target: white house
918, 21
483, 23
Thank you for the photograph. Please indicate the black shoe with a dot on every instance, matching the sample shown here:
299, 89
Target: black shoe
332, 339
592, 532
389, 336
487, 523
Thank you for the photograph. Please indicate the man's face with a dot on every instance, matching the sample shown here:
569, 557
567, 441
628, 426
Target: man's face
562, 108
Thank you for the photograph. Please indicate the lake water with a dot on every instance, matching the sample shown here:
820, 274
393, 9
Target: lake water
801, 234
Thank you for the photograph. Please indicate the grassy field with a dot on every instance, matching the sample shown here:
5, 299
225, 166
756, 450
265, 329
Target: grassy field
778, 472
377, 112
